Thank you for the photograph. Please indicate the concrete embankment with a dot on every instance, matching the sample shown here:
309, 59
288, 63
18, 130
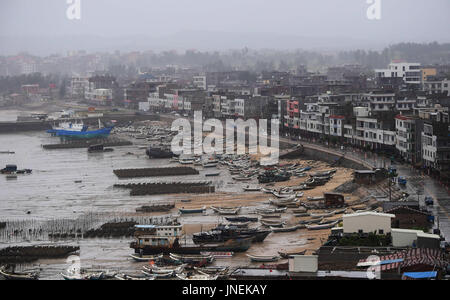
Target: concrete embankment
154, 172
315, 152
143, 189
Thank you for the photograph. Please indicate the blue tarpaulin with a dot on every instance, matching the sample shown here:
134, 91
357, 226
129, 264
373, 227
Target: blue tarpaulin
420, 275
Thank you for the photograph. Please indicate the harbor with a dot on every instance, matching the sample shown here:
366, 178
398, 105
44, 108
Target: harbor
239, 223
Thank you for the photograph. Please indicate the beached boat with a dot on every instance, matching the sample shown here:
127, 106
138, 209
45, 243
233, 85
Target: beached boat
284, 229
192, 259
226, 211
252, 189
256, 258
218, 254
125, 277
11, 275
321, 227
223, 233
301, 215
99, 149
154, 269
212, 270
287, 255
83, 276
199, 276
271, 223
271, 210
325, 215
192, 211
158, 276
215, 174
69, 134
146, 258
270, 216
241, 219
240, 178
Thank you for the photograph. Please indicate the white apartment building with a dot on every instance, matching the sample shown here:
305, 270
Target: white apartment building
368, 132
78, 86
429, 146
406, 104
200, 82
410, 72
99, 96
379, 102
437, 87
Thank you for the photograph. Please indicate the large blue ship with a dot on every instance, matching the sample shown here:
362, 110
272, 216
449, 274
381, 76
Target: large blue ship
69, 134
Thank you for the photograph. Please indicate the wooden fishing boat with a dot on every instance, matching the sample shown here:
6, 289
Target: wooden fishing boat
316, 198
326, 215
284, 229
271, 210
300, 210
256, 258
269, 223
218, 254
124, 277
212, 270
321, 227
18, 276
192, 259
226, 211
240, 224
287, 255
156, 276
83, 276
284, 197
201, 276
270, 216
301, 215
341, 211
146, 258
241, 219
215, 174
252, 189
239, 178
267, 191
154, 269
192, 211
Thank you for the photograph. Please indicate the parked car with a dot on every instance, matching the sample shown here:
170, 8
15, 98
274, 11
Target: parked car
429, 201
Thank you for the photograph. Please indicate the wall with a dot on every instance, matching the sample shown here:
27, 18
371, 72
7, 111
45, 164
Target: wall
367, 223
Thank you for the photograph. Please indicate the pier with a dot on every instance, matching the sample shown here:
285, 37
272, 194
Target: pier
154, 172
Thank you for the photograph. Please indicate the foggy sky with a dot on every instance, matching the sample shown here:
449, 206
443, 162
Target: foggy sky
257, 23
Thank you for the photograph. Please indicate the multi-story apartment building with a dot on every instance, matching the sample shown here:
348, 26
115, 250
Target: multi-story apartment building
410, 72
408, 135
436, 148
78, 86
436, 86
380, 101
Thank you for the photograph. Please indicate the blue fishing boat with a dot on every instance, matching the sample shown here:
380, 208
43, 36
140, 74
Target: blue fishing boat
100, 133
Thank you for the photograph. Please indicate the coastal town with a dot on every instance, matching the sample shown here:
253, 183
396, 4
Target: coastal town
354, 153
284, 158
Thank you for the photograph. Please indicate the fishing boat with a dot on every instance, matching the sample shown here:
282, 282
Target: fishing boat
12, 170
68, 126
192, 211
11, 275
267, 191
325, 215
71, 134
284, 229
146, 258
249, 188
83, 276
159, 153
271, 210
224, 233
199, 276
210, 165
284, 197
212, 270
240, 225
125, 277
255, 258
270, 216
301, 215
241, 219
156, 276
215, 174
287, 255
193, 259
218, 254
226, 211
271, 223
240, 178
321, 227
164, 270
